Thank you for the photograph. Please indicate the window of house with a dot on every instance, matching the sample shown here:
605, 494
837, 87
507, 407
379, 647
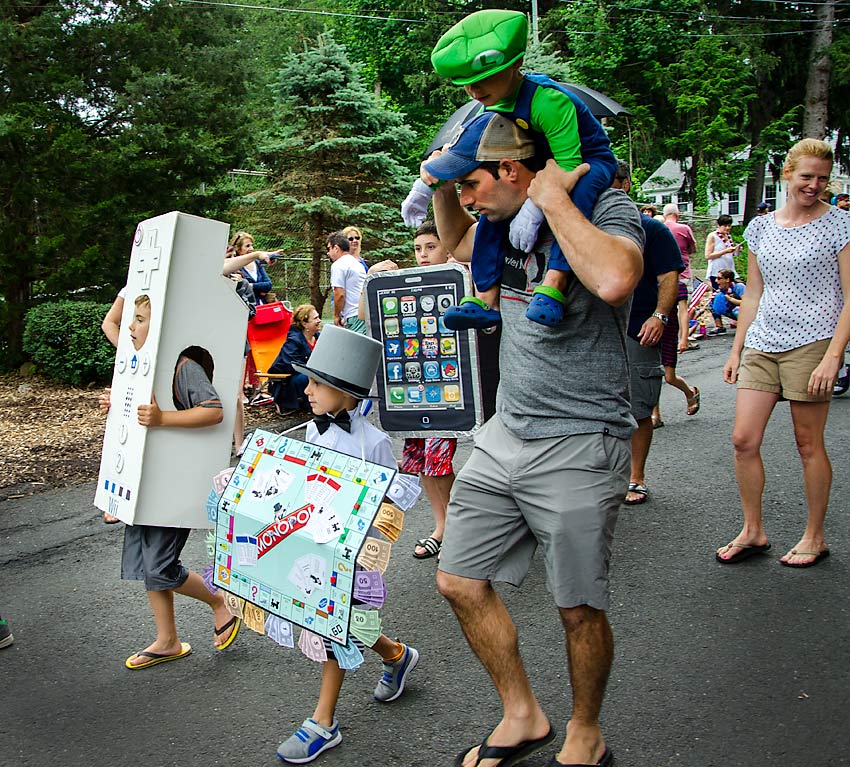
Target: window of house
734, 203
666, 198
770, 195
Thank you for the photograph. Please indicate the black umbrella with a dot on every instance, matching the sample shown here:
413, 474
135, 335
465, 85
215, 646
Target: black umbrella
598, 104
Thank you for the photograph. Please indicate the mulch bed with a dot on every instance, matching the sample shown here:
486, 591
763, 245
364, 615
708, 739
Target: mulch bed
51, 434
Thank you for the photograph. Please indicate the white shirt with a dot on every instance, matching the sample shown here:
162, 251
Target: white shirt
365, 441
802, 295
726, 261
347, 273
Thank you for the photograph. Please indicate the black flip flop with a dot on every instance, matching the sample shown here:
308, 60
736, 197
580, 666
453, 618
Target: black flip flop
745, 552
819, 555
642, 493
606, 760
508, 755
431, 545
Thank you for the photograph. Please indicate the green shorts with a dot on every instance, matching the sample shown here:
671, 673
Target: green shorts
561, 493
357, 325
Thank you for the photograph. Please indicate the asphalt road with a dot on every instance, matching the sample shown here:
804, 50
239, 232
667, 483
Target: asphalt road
715, 665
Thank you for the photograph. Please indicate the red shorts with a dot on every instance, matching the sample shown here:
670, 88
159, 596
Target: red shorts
431, 457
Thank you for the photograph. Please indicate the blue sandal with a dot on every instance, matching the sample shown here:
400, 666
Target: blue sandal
546, 306
471, 313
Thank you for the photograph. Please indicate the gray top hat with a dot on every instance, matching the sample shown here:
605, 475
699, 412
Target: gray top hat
345, 360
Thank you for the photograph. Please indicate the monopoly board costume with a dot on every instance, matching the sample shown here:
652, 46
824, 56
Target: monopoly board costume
303, 530
293, 523
160, 477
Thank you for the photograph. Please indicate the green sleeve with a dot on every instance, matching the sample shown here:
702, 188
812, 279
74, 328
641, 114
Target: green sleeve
554, 115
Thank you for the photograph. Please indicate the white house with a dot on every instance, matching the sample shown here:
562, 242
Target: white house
665, 185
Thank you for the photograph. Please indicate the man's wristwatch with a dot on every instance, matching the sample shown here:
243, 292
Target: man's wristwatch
663, 317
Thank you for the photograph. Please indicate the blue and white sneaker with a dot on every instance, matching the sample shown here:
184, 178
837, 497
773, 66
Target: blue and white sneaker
308, 741
391, 684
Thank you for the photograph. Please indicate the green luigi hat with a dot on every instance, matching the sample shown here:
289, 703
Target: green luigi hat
482, 44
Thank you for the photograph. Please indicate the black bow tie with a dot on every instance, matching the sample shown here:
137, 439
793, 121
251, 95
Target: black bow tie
323, 422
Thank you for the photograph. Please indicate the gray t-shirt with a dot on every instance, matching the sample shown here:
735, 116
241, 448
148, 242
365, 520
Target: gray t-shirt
573, 378
192, 388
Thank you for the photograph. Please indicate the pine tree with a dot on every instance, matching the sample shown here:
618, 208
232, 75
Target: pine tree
333, 158
109, 113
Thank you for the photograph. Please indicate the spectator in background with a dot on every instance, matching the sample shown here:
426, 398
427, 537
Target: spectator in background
234, 267
720, 252
674, 340
431, 458
653, 301
842, 201
355, 243
684, 238
729, 295
347, 278
288, 393
763, 208
649, 210
252, 270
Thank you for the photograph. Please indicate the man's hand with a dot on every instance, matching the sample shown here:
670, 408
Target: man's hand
414, 209
550, 184
104, 401
524, 227
650, 332
150, 415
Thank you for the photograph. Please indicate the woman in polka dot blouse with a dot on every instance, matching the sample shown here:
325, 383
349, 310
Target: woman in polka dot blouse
793, 325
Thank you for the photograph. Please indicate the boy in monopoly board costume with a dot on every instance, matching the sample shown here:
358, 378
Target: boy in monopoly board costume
341, 370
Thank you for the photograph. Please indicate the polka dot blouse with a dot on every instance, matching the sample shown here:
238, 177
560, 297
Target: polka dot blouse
802, 295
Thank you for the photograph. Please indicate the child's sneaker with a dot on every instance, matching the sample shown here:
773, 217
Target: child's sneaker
391, 684
6, 637
308, 741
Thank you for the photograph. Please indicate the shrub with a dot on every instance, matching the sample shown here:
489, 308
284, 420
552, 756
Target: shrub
65, 340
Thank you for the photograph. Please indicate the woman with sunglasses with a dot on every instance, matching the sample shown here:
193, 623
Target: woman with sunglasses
355, 240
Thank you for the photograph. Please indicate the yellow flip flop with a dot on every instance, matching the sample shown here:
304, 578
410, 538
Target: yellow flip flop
236, 623
155, 658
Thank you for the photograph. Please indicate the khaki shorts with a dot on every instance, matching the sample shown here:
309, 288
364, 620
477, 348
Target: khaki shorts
785, 373
561, 493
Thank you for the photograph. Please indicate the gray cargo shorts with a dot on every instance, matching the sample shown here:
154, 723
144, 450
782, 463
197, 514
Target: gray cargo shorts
152, 554
646, 376
561, 493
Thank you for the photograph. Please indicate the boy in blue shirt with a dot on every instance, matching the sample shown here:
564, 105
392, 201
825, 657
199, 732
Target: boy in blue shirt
483, 53
727, 299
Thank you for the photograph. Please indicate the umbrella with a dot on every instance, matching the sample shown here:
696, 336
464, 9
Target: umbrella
598, 103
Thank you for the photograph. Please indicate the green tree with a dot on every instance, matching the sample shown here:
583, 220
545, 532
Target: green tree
332, 157
702, 79
109, 113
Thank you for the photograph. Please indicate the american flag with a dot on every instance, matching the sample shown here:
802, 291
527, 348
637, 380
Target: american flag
698, 290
